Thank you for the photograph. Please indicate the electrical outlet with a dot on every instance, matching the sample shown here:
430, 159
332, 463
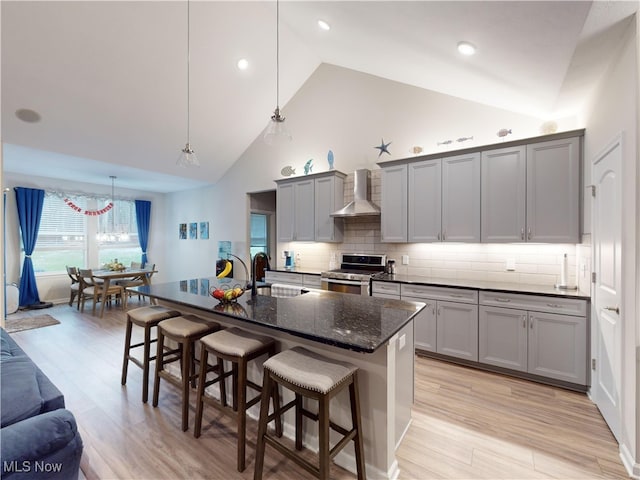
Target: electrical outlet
511, 265
405, 259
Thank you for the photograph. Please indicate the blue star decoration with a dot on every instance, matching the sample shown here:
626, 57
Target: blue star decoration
383, 147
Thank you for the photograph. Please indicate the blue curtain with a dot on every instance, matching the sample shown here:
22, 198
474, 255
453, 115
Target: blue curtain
143, 218
29, 203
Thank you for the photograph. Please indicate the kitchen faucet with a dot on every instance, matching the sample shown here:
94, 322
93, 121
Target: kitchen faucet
254, 288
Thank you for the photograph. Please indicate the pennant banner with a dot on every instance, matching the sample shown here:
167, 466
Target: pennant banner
102, 211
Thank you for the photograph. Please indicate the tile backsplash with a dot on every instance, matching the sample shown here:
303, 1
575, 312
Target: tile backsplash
538, 264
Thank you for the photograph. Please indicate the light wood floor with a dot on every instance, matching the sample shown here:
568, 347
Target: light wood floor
466, 423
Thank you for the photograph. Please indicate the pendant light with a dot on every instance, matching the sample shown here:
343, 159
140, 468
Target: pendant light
276, 132
112, 235
187, 156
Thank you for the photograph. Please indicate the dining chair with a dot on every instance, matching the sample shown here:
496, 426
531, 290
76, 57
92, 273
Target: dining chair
95, 290
75, 285
135, 281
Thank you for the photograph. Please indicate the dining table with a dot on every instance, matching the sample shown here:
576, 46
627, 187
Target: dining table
107, 276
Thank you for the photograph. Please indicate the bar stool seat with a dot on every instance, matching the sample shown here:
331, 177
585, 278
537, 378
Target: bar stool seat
238, 347
185, 330
147, 318
311, 375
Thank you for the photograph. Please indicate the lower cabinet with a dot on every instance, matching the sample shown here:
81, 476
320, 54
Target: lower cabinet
449, 322
552, 345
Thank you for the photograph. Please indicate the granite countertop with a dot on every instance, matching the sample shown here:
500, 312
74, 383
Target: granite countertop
481, 285
353, 322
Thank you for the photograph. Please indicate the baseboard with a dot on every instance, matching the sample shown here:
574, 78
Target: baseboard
632, 467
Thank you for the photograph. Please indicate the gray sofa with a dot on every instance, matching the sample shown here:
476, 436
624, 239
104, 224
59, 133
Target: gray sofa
39, 438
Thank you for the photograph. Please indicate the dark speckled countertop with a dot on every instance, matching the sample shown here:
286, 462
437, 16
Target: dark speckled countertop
481, 285
352, 322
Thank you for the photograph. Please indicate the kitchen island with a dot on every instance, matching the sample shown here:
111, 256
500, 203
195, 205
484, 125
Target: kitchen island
374, 334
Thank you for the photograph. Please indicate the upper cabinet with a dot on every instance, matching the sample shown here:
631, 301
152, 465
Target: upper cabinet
304, 204
393, 207
531, 193
432, 201
520, 191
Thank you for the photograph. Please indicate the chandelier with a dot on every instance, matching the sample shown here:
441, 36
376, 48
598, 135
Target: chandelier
112, 234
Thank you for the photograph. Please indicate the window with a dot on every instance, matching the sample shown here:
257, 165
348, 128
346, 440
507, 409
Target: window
68, 237
117, 235
259, 234
62, 238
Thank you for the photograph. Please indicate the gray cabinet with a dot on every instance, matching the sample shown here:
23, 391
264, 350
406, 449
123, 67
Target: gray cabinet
329, 197
443, 200
504, 195
531, 193
553, 191
545, 336
393, 204
449, 322
385, 290
461, 198
304, 206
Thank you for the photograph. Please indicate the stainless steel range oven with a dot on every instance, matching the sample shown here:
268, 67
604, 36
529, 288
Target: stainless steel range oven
354, 274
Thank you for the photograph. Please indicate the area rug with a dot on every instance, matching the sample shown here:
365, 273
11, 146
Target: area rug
13, 325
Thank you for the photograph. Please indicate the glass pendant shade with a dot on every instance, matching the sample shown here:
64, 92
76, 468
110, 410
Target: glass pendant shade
277, 132
188, 157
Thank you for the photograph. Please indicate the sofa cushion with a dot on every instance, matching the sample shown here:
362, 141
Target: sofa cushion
20, 397
5, 348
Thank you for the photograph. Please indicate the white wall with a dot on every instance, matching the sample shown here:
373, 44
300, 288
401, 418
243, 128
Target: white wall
348, 112
614, 110
54, 288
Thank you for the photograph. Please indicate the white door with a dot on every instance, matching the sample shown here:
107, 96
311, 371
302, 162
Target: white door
607, 334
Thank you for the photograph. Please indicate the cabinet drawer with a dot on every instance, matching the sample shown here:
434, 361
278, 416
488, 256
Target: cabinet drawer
313, 281
386, 287
440, 293
536, 303
283, 277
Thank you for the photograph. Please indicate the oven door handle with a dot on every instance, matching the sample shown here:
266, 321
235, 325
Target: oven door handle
343, 282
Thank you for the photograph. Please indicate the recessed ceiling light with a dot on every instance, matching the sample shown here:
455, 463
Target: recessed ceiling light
28, 115
324, 25
243, 64
466, 48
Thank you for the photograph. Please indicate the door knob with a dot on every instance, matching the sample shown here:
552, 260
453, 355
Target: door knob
613, 309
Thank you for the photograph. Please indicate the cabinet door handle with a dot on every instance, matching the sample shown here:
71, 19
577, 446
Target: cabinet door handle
529, 233
524, 321
438, 236
522, 233
502, 300
444, 235
440, 311
456, 295
613, 309
531, 320
555, 305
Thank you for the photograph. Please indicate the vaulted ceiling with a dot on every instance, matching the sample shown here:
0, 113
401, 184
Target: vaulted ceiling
109, 79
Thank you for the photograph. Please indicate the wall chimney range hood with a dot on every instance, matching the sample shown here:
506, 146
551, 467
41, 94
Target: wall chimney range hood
361, 205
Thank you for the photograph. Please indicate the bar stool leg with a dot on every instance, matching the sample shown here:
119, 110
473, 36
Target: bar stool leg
323, 436
354, 397
127, 349
223, 383
298, 421
204, 355
267, 387
242, 413
159, 367
186, 380
146, 356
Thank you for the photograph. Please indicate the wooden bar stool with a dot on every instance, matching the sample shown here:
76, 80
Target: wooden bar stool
147, 318
314, 376
184, 330
238, 347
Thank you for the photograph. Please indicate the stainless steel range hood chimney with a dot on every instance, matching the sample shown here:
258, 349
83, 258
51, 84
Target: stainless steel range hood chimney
361, 205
